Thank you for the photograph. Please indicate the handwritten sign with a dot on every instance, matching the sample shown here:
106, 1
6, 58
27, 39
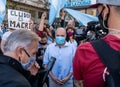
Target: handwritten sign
18, 19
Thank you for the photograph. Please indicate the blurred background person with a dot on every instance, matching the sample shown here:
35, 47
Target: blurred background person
70, 23
45, 28
3, 28
70, 38
41, 49
4, 38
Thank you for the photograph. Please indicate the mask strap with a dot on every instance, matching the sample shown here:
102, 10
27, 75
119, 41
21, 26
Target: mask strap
108, 11
105, 26
101, 11
26, 53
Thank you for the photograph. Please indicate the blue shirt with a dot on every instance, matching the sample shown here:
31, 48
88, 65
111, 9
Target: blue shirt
73, 43
49, 40
64, 57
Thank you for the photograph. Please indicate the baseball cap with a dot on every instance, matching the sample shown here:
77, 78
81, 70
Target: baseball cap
108, 2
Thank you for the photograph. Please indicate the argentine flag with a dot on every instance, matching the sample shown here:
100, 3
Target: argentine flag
55, 7
2, 10
82, 18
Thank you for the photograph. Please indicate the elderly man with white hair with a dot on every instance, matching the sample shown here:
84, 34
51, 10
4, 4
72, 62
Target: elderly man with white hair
61, 74
18, 59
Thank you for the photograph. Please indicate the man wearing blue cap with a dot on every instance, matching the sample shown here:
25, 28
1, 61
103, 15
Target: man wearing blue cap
88, 69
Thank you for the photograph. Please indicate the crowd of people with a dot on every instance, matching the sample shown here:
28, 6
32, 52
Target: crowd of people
26, 52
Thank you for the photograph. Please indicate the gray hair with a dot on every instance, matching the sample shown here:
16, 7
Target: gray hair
20, 38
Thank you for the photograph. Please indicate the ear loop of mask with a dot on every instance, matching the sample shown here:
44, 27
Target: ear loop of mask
102, 21
100, 17
102, 10
106, 27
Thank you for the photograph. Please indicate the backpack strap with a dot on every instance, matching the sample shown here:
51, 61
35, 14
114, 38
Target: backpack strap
111, 59
109, 56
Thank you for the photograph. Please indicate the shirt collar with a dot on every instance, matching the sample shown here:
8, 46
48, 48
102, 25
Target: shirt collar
65, 45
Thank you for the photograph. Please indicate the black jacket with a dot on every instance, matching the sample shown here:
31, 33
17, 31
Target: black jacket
12, 74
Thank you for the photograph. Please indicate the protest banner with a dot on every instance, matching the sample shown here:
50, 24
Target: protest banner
18, 19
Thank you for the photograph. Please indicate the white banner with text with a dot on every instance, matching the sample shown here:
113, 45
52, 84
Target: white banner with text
18, 19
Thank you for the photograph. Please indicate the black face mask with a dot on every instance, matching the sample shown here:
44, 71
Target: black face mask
105, 25
43, 43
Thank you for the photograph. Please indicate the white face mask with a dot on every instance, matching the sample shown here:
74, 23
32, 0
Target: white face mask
29, 63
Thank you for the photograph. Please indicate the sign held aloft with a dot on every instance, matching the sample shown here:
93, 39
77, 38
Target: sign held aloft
18, 19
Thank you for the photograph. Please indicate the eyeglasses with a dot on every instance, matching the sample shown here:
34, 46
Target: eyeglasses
26, 52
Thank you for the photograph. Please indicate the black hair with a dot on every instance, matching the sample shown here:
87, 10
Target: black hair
67, 37
44, 35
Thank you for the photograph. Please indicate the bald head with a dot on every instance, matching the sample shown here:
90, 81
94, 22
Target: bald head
60, 32
60, 36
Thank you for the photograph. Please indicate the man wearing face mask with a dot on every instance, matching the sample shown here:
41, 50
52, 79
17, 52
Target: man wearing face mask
87, 66
61, 74
18, 59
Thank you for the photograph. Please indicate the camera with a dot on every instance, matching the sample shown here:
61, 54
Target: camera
92, 31
93, 26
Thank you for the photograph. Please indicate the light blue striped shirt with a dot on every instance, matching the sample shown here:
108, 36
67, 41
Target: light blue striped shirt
64, 57
74, 43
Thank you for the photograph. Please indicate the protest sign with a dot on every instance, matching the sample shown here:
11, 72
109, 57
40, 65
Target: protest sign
18, 19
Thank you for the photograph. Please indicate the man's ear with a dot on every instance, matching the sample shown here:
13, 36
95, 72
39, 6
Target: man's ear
105, 12
19, 52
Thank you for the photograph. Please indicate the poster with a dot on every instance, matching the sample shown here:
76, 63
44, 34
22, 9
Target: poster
18, 19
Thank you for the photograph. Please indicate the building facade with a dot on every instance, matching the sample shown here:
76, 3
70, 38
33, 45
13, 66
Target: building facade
37, 7
34, 7
82, 5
